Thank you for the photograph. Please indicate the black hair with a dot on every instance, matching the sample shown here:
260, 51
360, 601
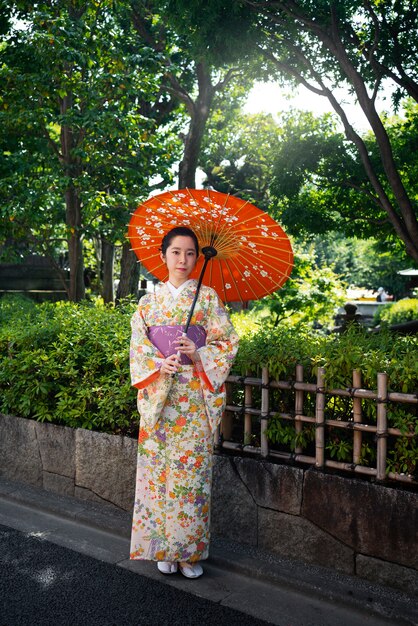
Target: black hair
178, 231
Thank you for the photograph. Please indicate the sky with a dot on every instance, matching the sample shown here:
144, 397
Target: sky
274, 99
271, 98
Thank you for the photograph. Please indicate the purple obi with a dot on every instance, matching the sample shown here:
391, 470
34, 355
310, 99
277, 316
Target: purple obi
162, 337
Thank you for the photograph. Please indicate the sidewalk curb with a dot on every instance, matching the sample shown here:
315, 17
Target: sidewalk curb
248, 561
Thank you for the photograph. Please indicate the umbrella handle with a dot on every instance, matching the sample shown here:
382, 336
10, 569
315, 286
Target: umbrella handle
209, 252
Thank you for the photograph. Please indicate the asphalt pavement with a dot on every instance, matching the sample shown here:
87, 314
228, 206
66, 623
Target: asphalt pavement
64, 562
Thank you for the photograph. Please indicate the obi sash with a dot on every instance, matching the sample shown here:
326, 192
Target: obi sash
162, 337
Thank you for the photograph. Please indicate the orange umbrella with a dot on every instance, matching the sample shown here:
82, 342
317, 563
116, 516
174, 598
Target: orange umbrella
252, 255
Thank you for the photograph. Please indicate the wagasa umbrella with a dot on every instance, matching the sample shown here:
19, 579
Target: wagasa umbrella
250, 255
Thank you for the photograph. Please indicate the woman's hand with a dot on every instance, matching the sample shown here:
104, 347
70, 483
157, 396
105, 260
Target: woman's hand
170, 365
186, 346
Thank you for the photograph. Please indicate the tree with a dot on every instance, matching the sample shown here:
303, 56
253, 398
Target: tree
363, 263
311, 294
319, 183
238, 153
304, 171
192, 76
87, 95
328, 44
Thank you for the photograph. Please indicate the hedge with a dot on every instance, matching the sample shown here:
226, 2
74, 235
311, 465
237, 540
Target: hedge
68, 363
405, 310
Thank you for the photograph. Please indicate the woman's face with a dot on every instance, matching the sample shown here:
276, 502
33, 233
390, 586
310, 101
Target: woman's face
180, 259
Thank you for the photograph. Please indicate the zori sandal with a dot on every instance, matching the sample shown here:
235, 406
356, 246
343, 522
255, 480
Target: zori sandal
167, 567
191, 570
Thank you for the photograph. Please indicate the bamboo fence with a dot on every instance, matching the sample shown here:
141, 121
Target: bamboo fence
261, 411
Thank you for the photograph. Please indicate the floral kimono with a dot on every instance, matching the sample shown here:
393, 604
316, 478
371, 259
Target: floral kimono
179, 414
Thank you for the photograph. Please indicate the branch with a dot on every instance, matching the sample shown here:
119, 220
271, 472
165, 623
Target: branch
176, 88
376, 23
381, 69
365, 192
141, 27
288, 69
179, 91
351, 134
229, 76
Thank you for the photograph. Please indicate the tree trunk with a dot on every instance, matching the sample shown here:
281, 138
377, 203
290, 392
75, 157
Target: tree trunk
75, 246
199, 113
71, 168
193, 141
129, 274
108, 255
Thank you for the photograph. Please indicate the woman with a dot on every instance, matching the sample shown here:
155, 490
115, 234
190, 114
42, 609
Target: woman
181, 398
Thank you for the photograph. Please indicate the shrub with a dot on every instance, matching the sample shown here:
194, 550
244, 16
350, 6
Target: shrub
68, 364
397, 312
339, 354
284, 347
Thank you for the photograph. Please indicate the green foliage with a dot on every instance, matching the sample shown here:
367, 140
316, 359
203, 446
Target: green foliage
405, 310
84, 124
214, 28
364, 263
245, 322
282, 348
67, 364
326, 180
319, 183
238, 152
311, 294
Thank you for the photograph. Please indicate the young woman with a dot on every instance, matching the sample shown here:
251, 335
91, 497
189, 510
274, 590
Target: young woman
181, 397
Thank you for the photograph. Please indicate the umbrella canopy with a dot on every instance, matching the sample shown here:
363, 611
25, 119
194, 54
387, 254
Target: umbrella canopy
254, 255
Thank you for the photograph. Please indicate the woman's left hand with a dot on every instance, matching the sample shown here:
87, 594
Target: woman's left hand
186, 346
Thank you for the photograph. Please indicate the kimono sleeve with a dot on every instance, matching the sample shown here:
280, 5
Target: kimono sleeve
145, 362
145, 359
221, 346
216, 360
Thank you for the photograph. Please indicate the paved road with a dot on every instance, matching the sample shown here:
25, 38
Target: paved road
65, 562
42, 584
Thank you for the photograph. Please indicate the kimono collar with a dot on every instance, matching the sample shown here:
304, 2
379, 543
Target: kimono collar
176, 291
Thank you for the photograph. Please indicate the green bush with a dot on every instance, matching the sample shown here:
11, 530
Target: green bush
339, 354
69, 364
283, 348
397, 312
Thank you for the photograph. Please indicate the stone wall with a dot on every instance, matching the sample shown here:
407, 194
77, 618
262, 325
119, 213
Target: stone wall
80, 463
351, 525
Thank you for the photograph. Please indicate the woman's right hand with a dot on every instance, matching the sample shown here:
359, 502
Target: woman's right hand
170, 365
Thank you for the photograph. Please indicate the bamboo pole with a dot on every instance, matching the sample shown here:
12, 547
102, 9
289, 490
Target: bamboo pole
248, 401
320, 420
217, 438
248, 380
310, 460
366, 394
298, 406
357, 436
264, 411
382, 427
227, 419
365, 428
